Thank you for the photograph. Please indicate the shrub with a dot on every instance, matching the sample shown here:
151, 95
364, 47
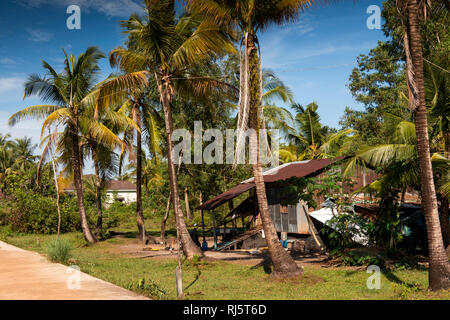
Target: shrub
34, 213
59, 251
344, 228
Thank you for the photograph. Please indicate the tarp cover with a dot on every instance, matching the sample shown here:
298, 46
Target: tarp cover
325, 214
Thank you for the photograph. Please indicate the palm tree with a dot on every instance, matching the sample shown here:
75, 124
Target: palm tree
67, 90
6, 156
250, 17
23, 150
439, 272
105, 165
145, 117
309, 139
49, 144
274, 89
170, 47
438, 103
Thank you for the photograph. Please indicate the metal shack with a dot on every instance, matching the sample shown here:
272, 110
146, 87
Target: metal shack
292, 219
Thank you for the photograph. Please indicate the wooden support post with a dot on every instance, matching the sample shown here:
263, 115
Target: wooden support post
224, 231
231, 207
203, 225
255, 213
214, 229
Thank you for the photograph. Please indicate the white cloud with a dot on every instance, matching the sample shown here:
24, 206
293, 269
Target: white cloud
9, 86
305, 25
111, 8
26, 128
37, 35
6, 60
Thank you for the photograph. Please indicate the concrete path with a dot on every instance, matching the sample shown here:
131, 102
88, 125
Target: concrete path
26, 275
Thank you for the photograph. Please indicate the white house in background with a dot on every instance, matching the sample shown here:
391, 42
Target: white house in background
124, 191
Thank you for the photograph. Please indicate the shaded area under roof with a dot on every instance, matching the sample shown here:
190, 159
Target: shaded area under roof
288, 170
246, 208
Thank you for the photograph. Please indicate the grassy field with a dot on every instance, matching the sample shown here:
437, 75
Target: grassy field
224, 280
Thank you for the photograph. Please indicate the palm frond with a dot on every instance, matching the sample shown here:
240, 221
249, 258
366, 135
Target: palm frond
34, 112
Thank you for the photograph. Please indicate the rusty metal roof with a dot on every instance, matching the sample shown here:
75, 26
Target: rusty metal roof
288, 170
226, 196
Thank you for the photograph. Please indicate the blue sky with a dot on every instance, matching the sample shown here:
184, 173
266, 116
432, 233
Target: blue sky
314, 56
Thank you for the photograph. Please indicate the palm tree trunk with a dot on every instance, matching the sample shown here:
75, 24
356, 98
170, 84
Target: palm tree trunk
186, 203
439, 272
98, 190
164, 220
166, 215
283, 263
58, 207
78, 184
139, 211
189, 247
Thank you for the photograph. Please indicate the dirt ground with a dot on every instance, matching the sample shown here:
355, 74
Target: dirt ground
250, 257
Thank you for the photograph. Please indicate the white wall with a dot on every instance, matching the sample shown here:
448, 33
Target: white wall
127, 196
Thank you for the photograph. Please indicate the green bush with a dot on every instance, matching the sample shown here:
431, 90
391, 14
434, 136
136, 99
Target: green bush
59, 251
29, 209
34, 213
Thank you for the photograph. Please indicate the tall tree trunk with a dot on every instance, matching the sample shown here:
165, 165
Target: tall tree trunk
283, 263
98, 191
164, 220
139, 212
189, 247
166, 215
78, 183
186, 203
439, 272
58, 207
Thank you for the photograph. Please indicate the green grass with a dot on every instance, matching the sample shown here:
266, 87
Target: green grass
223, 280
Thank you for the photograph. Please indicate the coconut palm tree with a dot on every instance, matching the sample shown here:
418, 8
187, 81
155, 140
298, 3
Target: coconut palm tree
409, 12
105, 160
275, 90
170, 46
251, 17
23, 151
309, 139
71, 93
437, 94
6, 155
145, 116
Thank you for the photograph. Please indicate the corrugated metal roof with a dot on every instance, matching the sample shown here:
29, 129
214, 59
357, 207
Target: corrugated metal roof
288, 170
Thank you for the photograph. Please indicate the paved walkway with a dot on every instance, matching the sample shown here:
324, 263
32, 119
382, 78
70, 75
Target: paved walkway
26, 275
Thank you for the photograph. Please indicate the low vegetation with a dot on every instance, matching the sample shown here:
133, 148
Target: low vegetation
154, 277
59, 251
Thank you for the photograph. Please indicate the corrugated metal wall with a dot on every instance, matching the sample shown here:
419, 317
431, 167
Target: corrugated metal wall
291, 219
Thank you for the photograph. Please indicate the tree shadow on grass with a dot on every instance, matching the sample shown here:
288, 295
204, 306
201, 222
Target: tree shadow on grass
266, 264
389, 275
199, 273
